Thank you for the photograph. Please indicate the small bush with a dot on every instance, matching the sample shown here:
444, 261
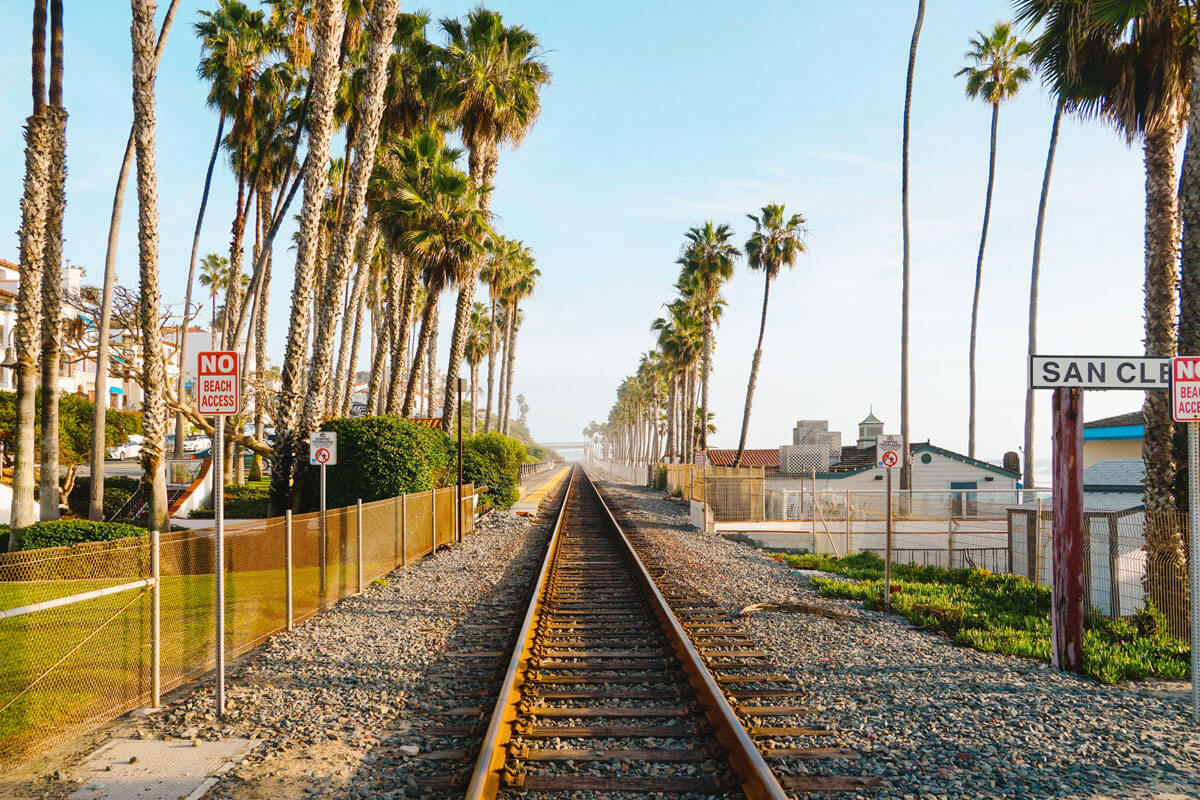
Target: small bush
381, 457
251, 501
57, 533
494, 460
660, 479
117, 491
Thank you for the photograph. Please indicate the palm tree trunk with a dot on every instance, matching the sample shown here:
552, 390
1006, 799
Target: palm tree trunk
187, 298
493, 346
905, 278
509, 341
379, 352
260, 346
1033, 290
351, 370
1162, 247
708, 348
474, 397
52, 278
503, 372
431, 364
154, 377
408, 303
987, 211
1189, 208
38, 137
380, 28
390, 399
762, 329
482, 166
326, 74
428, 318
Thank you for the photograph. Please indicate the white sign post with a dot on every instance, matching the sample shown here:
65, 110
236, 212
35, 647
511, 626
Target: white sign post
322, 452
889, 455
1185, 407
218, 395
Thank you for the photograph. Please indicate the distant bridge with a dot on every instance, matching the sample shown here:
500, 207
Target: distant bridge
565, 445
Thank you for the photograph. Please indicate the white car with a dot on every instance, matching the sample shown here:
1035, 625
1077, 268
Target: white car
130, 448
194, 444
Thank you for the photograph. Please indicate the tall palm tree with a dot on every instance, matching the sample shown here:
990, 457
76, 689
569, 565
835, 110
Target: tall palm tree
329, 22
214, 276
100, 392
154, 377
995, 74
381, 28
775, 243
430, 211
52, 270
34, 210
707, 262
495, 76
496, 273
524, 280
905, 272
476, 349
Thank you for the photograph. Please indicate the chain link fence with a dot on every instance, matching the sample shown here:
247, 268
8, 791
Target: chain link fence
78, 643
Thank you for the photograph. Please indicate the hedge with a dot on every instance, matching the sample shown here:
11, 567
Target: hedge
57, 533
494, 460
251, 501
381, 457
117, 491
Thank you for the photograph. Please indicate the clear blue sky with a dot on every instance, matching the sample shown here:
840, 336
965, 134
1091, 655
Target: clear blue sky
662, 115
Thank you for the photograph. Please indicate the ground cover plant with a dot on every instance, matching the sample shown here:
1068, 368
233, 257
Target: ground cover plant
249, 501
1005, 614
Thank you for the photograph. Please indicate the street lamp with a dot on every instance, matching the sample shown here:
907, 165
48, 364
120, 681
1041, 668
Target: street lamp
462, 382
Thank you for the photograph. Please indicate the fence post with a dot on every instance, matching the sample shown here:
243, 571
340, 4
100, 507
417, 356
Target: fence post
155, 620
1011, 516
849, 527
950, 538
358, 542
433, 520
404, 530
287, 563
1114, 561
1066, 591
1035, 558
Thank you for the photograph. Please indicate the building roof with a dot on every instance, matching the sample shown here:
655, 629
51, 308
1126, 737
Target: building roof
432, 422
768, 459
4, 262
871, 420
1115, 475
1119, 421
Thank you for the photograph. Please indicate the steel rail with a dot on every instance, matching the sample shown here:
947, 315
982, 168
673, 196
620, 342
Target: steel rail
758, 781
489, 766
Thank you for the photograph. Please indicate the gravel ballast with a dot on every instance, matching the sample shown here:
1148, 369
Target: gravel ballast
340, 702
932, 719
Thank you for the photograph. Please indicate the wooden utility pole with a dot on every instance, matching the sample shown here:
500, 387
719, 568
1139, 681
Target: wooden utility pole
1066, 599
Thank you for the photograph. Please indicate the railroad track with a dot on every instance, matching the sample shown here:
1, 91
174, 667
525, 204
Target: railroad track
620, 682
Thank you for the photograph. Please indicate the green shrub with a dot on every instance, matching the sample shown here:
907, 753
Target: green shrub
251, 501
494, 460
381, 457
660, 479
56, 533
117, 491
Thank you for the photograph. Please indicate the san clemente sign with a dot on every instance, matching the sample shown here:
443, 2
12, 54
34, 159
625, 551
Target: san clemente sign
1099, 372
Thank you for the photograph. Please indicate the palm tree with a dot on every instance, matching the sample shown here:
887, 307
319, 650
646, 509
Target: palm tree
996, 73
495, 74
429, 210
100, 407
214, 276
905, 278
329, 23
34, 203
524, 279
707, 262
154, 377
478, 339
496, 273
775, 243
381, 28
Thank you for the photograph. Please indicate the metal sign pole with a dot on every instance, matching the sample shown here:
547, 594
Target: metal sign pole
887, 560
219, 556
1194, 529
324, 534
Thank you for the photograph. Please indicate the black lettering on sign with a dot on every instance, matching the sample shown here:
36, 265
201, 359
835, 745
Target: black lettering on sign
1095, 371
1126, 372
1073, 372
1050, 371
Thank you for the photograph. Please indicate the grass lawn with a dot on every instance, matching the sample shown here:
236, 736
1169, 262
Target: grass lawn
1001, 614
111, 669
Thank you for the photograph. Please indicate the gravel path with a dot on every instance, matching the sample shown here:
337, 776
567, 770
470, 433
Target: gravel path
932, 719
339, 702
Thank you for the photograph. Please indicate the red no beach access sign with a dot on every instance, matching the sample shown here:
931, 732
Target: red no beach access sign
218, 392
